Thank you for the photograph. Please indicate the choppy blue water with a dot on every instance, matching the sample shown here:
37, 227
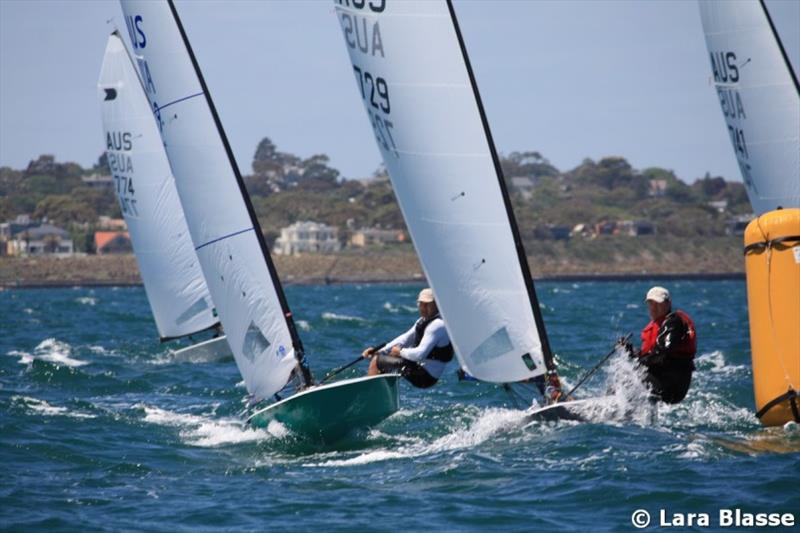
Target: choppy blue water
103, 428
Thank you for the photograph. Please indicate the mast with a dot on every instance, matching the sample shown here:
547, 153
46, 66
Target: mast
287, 313
523, 261
785, 56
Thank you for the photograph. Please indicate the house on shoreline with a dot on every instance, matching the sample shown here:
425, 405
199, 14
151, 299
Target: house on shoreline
44, 239
307, 237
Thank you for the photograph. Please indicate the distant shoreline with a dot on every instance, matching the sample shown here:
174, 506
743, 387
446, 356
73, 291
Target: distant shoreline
375, 267
700, 276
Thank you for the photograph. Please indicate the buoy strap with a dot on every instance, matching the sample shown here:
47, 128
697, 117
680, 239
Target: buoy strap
790, 395
761, 246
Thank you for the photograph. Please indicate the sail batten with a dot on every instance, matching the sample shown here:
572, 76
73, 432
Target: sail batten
421, 99
176, 290
220, 216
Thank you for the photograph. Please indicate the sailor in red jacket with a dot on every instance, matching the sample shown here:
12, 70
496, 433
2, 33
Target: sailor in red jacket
669, 344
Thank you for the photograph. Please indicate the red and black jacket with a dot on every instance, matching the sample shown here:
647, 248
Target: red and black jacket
673, 337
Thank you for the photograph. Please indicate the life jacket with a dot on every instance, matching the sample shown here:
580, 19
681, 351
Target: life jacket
673, 333
439, 353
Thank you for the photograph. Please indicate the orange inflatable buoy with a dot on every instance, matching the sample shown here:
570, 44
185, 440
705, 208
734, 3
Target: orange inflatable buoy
772, 263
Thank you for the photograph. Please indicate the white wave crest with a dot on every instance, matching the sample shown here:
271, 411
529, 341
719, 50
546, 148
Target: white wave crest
343, 318
207, 432
87, 300
715, 362
389, 307
488, 423
625, 383
303, 325
50, 350
43, 408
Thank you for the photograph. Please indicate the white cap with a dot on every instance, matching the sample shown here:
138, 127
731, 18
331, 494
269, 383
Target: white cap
425, 296
658, 294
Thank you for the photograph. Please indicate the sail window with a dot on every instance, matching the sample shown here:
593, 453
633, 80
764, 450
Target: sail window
254, 343
496, 345
195, 309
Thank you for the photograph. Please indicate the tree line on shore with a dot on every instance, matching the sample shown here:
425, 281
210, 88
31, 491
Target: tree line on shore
286, 188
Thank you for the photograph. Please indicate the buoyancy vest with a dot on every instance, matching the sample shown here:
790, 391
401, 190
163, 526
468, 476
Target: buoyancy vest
439, 353
673, 334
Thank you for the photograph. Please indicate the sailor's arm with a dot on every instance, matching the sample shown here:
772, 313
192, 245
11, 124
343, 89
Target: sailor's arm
402, 340
435, 335
384, 349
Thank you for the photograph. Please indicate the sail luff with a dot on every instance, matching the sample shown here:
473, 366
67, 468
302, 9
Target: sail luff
520, 248
276, 282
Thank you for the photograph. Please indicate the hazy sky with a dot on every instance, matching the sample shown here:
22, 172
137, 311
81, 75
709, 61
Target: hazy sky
570, 79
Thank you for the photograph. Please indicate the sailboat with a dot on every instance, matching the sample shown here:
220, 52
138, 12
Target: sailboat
231, 248
417, 86
759, 95
174, 284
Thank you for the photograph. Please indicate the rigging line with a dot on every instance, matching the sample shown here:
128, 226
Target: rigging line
224, 237
159, 108
769, 304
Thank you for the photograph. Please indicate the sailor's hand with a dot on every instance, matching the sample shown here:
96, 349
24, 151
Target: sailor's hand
369, 352
395, 351
625, 345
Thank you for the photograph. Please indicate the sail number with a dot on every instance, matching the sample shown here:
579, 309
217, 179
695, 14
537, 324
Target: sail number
119, 145
375, 92
370, 85
125, 193
376, 6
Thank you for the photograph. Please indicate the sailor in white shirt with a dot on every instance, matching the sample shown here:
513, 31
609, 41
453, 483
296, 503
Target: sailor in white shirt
421, 353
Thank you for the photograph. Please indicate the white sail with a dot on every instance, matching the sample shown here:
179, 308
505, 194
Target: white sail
415, 82
759, 97
227, 238
168, 264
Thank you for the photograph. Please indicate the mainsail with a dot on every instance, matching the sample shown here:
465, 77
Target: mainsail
143, 181
414, 77
760, 99
221, 220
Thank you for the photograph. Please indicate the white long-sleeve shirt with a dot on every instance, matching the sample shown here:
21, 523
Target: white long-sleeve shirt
435, 336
